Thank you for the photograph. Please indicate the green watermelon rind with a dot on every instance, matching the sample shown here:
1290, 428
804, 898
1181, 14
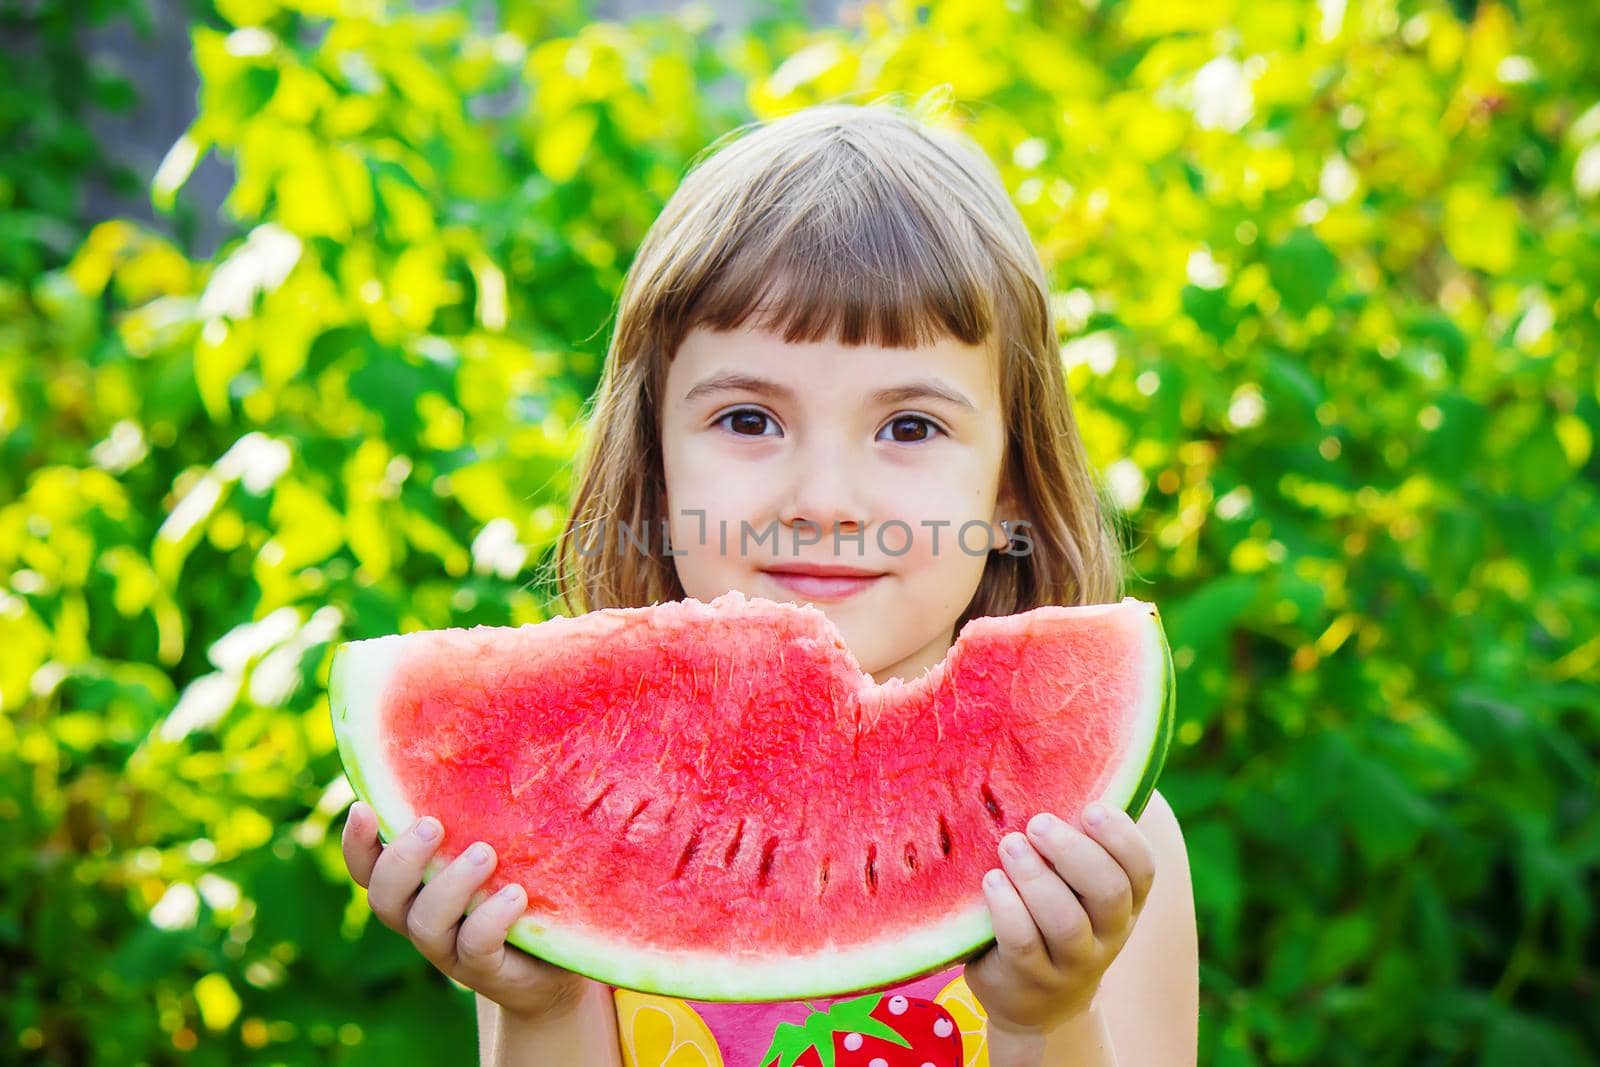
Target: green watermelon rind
394, 816
706, 976
339, 707
390, 825
1146, 787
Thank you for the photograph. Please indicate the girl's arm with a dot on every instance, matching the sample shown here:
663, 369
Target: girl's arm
1130, 991
1150, 995
585, 1034
1147, 1010
488, 1018
1084, 1040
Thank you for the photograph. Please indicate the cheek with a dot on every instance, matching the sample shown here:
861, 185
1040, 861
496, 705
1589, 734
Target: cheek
702, 482
945, 495
689, 473
708, 500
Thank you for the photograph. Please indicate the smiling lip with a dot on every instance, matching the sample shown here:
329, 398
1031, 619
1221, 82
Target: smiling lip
818, 581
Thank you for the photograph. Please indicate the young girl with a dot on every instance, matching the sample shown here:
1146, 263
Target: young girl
834, 361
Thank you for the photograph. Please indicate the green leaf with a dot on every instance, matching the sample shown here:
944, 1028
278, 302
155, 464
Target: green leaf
1516, 1040
788, 1042
1480, 228
847, 1016
560, 144
1302, 270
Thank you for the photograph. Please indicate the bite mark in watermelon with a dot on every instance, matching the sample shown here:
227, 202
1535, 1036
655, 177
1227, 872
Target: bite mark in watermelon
713, 801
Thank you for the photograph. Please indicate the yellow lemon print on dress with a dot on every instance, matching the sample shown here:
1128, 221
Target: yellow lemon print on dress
663, 1032
969, 1015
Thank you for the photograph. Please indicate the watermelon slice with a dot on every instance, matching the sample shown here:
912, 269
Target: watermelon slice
713, 801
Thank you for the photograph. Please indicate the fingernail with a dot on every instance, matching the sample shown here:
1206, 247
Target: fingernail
1094, 814
1045, 826
478, 853
428, 828
993, 879
1021, 853
512, 892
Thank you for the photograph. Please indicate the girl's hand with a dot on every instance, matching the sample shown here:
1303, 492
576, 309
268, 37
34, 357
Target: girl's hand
472, 950
1060, 918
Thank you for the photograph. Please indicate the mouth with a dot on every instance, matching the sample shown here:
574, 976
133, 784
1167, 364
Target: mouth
823, 581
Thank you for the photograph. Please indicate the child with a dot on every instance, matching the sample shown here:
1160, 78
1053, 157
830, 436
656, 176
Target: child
837, 322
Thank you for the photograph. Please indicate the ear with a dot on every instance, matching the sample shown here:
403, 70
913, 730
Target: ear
1006, 510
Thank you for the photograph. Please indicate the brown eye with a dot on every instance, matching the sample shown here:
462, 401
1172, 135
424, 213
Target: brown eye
748, 422
911, 428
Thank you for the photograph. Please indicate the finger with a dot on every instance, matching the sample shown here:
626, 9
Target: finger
397, 875
436, 913
1051, 904
481, 942
1091, 872
360, 842
1125, 843
1016, 937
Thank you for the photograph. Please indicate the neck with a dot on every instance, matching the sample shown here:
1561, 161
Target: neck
917, 663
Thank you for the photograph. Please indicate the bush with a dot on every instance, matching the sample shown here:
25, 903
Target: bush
1327, 283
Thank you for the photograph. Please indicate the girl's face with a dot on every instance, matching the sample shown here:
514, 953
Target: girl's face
863, 480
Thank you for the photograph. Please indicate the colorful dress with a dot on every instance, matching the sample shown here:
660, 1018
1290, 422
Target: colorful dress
934, 1020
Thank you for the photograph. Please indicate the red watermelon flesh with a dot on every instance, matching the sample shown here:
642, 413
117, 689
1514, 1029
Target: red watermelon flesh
712, 800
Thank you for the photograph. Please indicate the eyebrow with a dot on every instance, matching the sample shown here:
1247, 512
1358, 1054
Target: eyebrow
921, 389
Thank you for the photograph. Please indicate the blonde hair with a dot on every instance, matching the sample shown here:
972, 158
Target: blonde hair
863, 224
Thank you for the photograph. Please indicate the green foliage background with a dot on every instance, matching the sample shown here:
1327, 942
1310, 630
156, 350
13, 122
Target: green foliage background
1328, 278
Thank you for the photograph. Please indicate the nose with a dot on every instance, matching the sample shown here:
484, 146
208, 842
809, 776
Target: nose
823, 490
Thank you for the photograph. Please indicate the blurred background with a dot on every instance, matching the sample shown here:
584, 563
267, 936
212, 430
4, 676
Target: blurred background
299, 301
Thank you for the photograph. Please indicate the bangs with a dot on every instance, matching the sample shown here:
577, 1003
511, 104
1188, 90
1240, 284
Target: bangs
878, 276
830, 241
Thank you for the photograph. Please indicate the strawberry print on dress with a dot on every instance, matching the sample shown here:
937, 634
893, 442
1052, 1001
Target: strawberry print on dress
870, 1031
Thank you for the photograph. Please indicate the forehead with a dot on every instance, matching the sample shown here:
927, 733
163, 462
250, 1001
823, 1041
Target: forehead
830, 368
